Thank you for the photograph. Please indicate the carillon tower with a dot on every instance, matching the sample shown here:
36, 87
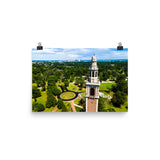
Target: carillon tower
92, 87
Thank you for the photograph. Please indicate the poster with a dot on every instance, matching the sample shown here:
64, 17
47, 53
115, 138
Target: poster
79, 79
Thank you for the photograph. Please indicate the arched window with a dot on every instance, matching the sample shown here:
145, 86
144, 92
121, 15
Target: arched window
92, 74
95, 74
92, 91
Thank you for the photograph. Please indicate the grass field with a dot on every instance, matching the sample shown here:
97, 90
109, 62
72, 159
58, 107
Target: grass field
105, 86
34, 85
49, 109
68, 106
77, 101
120, 109
72, 87
42, 99
59, 110
75, 88
117, 109
67, 95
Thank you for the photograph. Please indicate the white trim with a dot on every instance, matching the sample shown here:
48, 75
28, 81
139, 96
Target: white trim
86, 104
97, 106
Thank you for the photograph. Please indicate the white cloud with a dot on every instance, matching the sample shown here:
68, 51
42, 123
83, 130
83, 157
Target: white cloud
80, 53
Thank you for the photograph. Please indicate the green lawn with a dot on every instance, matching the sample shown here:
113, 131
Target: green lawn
34, 85
120, 109
68, 106
67, 95
60, 83
108, 105
75, 88
59, 110
77, 101
83, 94
49, 109
105, 86
72, 87
43, 98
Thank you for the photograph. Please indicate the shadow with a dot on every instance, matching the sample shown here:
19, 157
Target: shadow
77, 115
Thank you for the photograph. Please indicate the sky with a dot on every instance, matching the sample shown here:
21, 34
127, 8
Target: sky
78, 53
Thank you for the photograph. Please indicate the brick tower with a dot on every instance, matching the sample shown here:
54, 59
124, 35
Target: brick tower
92, 87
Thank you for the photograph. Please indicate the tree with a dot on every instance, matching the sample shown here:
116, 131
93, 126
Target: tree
43, 84
84, 107
118, 98
64, 109
101, 104
63, 87
101, 76
35, 93
51, 80
80, 82
111, 110
37, 107
121, 84
72, 79
57, 91
53, 90
51, 101
82, 101
66, 83
60, 104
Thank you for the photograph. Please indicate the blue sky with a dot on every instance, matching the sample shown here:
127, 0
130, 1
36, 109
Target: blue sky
78, 53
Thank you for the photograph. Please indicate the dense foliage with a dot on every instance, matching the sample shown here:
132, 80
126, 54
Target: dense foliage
66, 71
37, 107
51, 101
48, 75
60, 104
35, 93
120, 91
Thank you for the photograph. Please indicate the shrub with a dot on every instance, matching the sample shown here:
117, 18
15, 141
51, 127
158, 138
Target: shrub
64, 109
37, 107
35, 93
51, 101
118, 98
60, 104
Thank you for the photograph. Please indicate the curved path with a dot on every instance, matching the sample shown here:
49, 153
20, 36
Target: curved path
76, 94
69, 100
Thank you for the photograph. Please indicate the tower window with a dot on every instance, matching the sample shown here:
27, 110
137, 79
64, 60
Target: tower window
95, 74
92, 74
92, 91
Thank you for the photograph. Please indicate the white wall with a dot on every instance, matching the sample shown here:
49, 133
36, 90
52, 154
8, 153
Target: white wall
85, 23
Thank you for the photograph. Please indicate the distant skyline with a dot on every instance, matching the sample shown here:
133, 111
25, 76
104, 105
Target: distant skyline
78, 53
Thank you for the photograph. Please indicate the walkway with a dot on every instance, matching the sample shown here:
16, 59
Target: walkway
77, 105
73, 107
69, 100
59, 96
55, 109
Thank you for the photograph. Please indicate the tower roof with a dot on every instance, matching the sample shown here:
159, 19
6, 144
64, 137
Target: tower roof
94, 58
94, 63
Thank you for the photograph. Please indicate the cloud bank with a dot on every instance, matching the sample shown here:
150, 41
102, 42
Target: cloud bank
78, 53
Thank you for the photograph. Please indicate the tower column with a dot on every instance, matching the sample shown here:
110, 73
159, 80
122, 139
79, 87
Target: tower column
92, 87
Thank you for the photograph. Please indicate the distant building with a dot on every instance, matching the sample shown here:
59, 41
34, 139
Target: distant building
92, 87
